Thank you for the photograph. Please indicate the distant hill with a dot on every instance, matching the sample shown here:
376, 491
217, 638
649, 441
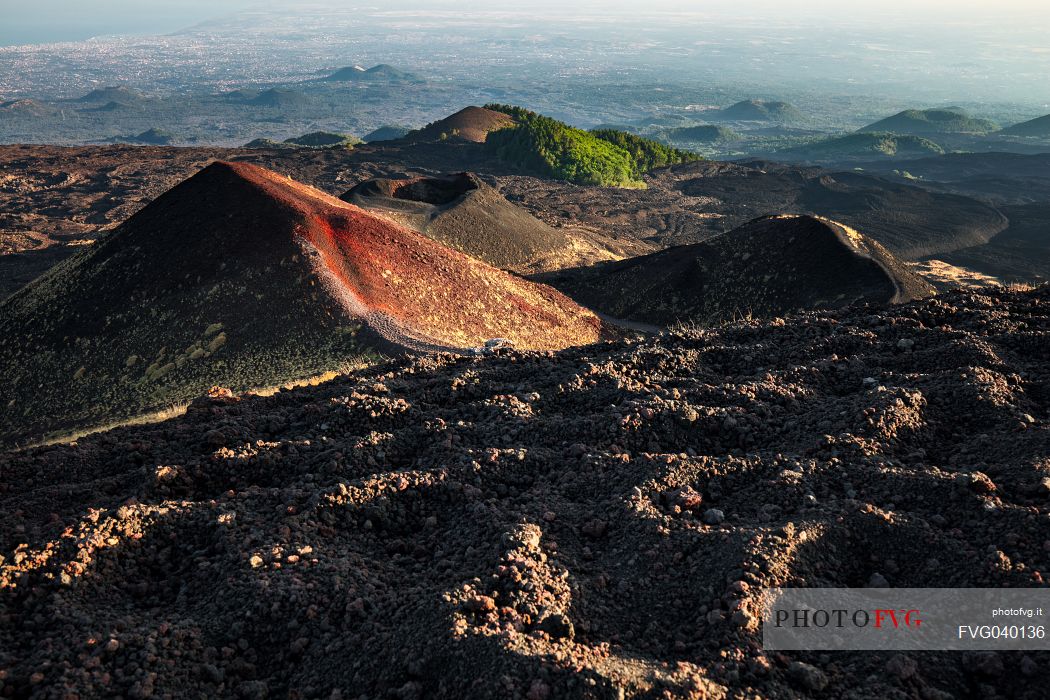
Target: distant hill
243, 278
382, 73
761, 111
866, 145
112, 106
925, 122
1038, 127
323, 139
154, 137
702, 133
464, 213
390, 132
912, 222
241, 95
468, 124
26, 107
267, 143
554, 149
281, 98
769, 267
119, 94
316, 139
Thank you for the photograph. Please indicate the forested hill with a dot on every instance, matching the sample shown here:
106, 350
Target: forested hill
555, 149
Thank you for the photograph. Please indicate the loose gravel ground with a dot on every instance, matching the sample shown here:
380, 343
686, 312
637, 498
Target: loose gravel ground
596, 523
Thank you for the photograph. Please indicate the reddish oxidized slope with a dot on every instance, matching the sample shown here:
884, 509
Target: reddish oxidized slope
243, 278
411, 288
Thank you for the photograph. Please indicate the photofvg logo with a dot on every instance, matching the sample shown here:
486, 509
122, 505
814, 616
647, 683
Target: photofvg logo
905, 618
841, 617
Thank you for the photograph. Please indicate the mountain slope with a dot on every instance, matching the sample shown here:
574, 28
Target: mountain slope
323, 139
547, 147
910, 221
701, 133
924, 122
26, 108
382, 73
761, 111
647, 154
865, 145
468, 124
1039, 127
464, 213
119, 94
154, 137
390, 132
244, 278
281, 98
769, 267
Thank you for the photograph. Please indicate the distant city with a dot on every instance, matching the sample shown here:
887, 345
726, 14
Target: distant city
581, 66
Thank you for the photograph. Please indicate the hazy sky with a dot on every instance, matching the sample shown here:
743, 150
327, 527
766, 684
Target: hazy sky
35, 21
43, 21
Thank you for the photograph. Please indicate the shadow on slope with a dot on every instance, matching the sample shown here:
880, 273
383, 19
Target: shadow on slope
770, 267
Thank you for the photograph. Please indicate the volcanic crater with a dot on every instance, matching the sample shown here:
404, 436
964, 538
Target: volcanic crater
295, 282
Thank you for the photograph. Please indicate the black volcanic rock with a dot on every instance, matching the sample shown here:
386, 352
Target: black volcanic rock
531, 525
770, 267
1021, 253
1000, 178
910, 221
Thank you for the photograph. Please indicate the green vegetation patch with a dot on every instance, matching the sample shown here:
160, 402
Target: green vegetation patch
702, 133
646, 153
555, 149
